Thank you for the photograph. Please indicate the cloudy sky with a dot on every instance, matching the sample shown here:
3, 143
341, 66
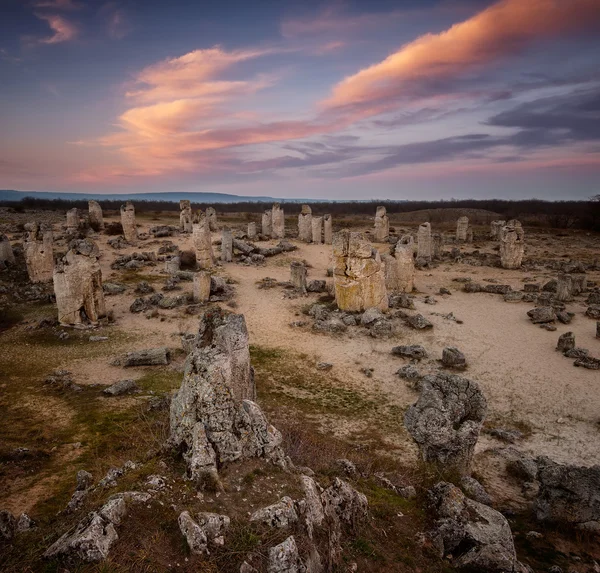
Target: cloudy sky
402, 99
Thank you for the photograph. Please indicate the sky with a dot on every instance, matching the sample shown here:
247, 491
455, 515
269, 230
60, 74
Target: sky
378, 99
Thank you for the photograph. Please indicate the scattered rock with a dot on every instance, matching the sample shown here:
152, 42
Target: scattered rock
121, 387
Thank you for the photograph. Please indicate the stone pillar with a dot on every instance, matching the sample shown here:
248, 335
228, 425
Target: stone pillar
298, 276
267, 223
185, 216
305, 224
78, 285
382, 225
462, 225
327, 229
566, 342
496, 229
172, 264
424, 246
470, 235
226, 245
7, 257
579, 281
73, 219
38, 253
201, 286
252, 231
564, 288
405, 262
358, 273
203, 243
437, 245
211, 215
317, 230
128, 222
512, 245
278, 222
95, 214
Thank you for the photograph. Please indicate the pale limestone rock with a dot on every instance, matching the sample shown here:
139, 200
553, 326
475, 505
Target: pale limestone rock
400, 268
284, 558
462, 227
213, 418
226, 245
278, 515
424, 242
564, 288
252, 231
313, 508
185, 216
327, 229
78, 286
382, 225
38, 253
211, 215
305, 224
278, 222
208, 530
95, 214
358, 273
172, 265
73, 219
7, 257
128, 223
512, 245
317, 230
203, 243
267, 223
298, 276
437, 245
496, 229
201, 289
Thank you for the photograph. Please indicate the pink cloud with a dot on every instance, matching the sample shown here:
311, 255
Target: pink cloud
64, 30
58, 4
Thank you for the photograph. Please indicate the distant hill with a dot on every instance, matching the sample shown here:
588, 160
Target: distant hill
10, 195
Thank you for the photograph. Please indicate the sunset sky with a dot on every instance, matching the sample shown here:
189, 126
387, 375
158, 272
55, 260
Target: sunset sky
415, 99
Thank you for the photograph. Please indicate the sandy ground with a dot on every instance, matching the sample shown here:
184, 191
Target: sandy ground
524, 379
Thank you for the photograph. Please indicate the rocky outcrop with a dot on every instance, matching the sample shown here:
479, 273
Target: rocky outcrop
305, 224
78, 285
279, 515
358, 273
185, 216
446, 420
476, 536
208, 530
128, 223
213, 418
382, 225
39, 257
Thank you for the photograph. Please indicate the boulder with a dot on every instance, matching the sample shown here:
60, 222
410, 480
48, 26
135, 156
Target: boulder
149, 357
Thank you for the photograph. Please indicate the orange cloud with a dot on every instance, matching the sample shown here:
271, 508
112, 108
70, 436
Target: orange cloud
62, 28
504, 29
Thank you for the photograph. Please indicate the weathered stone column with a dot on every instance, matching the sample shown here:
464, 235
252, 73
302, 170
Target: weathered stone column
73, 219
252, 231
437, 245
298, 276
226, 245
317, 230
7, 257
278, 222
382, 225
203, 243
128, 222
327, 229
424, 243
172, 264
496, 229
211, 215
564, 288
185, 216
358, 273
78, 285
462, 225
305, 224
201, 288
470, 235
39, 257
405, 262
267, 223
512, 245
95, 214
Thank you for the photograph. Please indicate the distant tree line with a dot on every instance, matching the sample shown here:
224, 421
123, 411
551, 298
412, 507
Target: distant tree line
556, 214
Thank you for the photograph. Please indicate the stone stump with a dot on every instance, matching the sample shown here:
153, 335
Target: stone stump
226, 245
305, 224
298, 274
39, 257
566, 342
267, 223
462, 226
201, 288
424, 242
512, 245
382, 225
496, 229
128, 223
252, 231
172, 265
95, 215
317, 230
564, 288
73, 219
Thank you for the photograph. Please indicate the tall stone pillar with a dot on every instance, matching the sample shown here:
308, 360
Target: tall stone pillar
512, 245
462, 226
203, 243
95, 214
73, 219
211, 215
424, 242
201, 288
185, 216
226, 245
267, 223
39, 257
317, 230
298, 276
278, 222
327, 229
382, 225
305, 224
128, 223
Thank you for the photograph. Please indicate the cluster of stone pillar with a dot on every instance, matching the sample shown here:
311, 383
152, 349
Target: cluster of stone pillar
185, 216
400, 267
512, 245
78, 285
382, 225
95, 215
37, 249
315, 230
203, 243
273, 222
128, 223
358, 273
